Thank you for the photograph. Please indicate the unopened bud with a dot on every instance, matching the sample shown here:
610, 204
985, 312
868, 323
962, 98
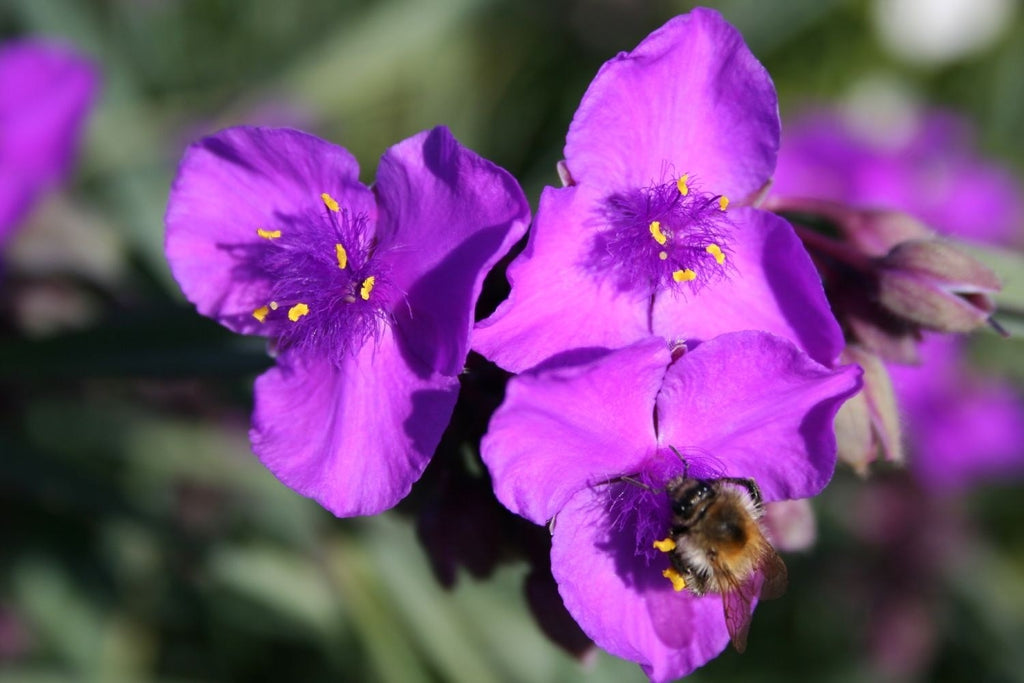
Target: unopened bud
937, 286
868, 425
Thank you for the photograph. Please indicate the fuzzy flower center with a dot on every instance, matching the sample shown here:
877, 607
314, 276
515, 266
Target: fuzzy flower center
329, 291
668, 236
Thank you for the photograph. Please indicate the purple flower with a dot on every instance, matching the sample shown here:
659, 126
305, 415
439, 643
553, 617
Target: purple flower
964, 427
45, 93
367, 295
744, 404
932, 172
670, 145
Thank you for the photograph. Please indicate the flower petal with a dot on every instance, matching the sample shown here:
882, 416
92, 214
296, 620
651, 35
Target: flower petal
774, 288
353, 438
45, 92
761, 407
556, 304
564, 429
235, 182
625, 605
690, 96
450, 216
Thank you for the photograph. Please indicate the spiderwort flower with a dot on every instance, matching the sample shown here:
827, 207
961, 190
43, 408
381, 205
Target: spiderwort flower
670, 146
744, 404
366, 295
45, 93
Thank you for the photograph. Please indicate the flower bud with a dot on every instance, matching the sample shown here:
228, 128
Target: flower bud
935, 285
868, 425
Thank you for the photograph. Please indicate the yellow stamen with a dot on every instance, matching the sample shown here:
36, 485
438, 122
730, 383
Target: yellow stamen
716, 251
665, 545
367, 287
681, 184
672, 575
329, 201
342, 256
656, 232
723, 202
662, 255
261, 313
685, 275
268, 234
297, 311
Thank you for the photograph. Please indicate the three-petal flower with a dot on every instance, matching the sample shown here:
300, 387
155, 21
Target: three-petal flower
367, 294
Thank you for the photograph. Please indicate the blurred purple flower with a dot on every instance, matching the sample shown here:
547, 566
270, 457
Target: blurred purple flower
45, 94
933, 173
644, 240
367, 295
559, 446
961, 426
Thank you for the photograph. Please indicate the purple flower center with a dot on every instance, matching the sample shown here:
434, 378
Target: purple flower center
329, 289
668, 236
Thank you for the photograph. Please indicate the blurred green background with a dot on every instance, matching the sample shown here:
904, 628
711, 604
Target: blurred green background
141, 541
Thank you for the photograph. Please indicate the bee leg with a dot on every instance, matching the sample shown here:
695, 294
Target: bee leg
752, 488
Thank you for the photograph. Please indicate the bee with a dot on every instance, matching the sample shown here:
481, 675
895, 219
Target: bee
716, 545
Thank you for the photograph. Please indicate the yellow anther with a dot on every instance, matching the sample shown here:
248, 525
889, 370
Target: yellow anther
297, 311
329, 201
717, 252
273, 305
723, 202
261, 313
665, 545
663, 255
656, 232
685, 275
672, 575
684, 189
268, 234
367, 287
342, 256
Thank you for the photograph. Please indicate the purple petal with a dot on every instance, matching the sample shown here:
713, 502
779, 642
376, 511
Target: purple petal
690, 97
448, 215
45, 93
235, 182
773, 287
556, 303
761, 407
564, 429
353, 438
625, 605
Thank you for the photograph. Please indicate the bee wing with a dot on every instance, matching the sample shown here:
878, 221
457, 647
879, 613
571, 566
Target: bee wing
737, 602
768, 581
775, 577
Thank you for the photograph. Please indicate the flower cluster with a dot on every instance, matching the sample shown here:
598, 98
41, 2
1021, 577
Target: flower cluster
831, 168
677, 354
678, 362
